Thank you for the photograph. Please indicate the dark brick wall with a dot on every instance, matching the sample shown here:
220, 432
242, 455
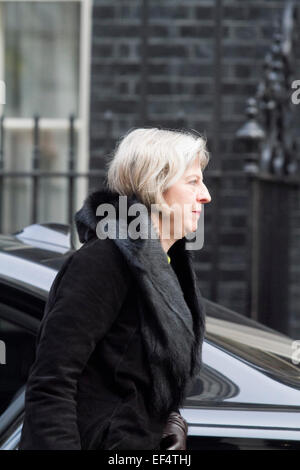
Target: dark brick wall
181, 78
115, 72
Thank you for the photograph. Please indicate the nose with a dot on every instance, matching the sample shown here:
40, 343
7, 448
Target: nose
203, 195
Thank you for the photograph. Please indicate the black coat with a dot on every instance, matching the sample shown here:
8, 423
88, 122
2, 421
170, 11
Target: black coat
119, 345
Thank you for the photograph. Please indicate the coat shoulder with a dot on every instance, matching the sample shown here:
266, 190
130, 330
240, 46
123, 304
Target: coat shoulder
97, 245
100, 254
98, 264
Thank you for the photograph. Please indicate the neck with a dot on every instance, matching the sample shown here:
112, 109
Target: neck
166, 243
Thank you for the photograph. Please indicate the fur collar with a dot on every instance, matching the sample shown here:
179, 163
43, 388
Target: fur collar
172, 311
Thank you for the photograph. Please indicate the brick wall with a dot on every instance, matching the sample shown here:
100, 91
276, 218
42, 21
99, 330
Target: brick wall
181, 79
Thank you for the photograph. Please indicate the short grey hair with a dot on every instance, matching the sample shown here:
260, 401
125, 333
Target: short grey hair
147, 161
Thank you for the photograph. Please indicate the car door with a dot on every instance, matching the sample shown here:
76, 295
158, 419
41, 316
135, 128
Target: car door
233, 406
252, 429
19, 312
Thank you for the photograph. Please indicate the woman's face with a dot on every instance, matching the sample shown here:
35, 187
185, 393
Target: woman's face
187, 196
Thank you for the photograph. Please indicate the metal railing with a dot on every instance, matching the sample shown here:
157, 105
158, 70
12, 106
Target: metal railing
36, 174
268, 143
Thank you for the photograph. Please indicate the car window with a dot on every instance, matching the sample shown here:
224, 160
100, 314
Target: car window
266, 349
215, 310
261, 347
17, 354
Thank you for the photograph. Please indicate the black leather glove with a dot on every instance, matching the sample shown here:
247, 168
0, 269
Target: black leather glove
175, 433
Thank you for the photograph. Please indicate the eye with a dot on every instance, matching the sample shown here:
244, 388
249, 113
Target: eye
193, 182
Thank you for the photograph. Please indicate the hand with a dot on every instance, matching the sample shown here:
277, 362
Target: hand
175, 433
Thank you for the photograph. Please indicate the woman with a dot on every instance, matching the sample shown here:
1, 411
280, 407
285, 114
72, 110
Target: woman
120, 341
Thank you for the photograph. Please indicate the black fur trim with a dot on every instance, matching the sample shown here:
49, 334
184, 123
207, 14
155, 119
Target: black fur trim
169, 298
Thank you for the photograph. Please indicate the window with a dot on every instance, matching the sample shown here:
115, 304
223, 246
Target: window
44, 61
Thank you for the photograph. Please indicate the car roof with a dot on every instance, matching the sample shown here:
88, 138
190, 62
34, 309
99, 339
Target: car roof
42, 246
31, 264
23, 252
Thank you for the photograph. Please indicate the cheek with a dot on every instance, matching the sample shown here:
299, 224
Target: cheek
172, 196
179, 195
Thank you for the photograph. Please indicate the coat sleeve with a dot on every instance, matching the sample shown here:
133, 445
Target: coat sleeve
84, 300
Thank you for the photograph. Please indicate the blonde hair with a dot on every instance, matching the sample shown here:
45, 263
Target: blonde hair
147, 161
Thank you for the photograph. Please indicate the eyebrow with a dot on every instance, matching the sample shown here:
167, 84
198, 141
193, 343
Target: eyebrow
195, 175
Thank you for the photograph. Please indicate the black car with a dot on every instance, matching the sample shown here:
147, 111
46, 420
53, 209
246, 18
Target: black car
246, 397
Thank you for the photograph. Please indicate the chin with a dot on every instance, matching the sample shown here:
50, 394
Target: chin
190, 230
